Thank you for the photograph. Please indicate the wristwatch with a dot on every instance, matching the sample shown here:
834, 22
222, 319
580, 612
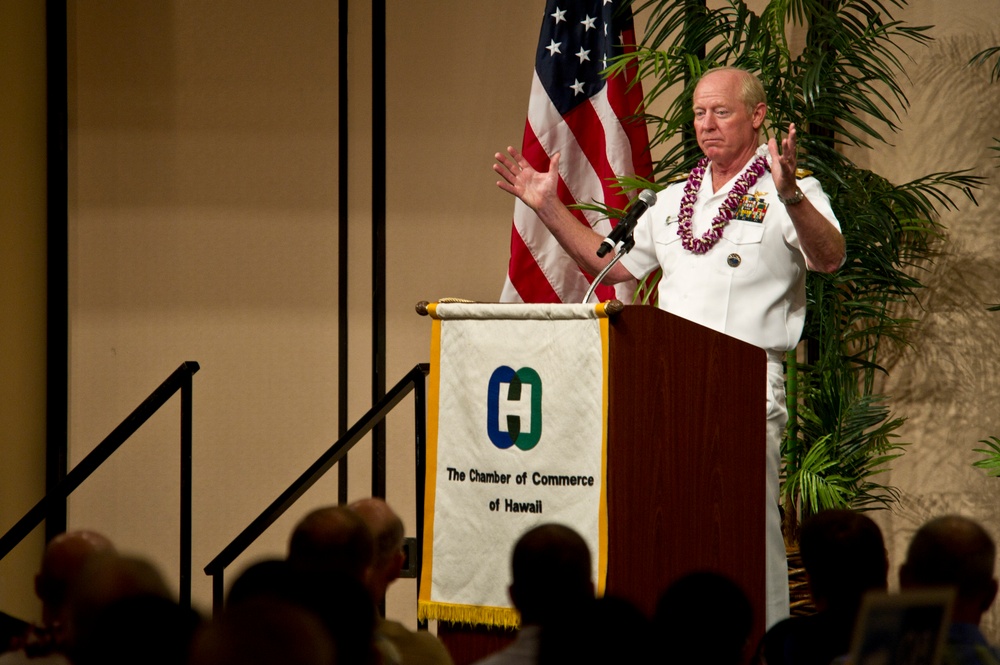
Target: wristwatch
796, 198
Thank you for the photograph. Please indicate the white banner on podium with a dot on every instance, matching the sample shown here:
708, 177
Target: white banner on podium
517, 422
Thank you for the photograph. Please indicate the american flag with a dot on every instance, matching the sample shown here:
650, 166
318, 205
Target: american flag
591, 120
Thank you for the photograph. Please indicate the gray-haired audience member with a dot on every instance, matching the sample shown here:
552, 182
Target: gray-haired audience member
62, 566
330, 557
332, 538
957, 552
551, 578
844, 556
416, 648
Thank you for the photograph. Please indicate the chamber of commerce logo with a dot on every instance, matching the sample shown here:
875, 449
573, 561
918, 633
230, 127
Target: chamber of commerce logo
514, 408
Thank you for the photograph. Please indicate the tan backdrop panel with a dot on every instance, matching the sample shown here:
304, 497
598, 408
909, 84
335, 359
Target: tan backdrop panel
203, 227
22, 290
948, 383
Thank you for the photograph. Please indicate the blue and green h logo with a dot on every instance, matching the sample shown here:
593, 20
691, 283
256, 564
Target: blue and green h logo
514, 408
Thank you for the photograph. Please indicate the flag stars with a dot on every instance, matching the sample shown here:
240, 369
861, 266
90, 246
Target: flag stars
589, 23
583, 55
577, 87
559, 15
553, 47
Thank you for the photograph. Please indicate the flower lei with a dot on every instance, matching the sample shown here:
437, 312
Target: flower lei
728, 208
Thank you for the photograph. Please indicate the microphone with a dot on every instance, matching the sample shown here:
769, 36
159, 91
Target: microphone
626, 224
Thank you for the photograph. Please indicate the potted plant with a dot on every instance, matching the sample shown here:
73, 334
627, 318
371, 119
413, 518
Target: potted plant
841, 88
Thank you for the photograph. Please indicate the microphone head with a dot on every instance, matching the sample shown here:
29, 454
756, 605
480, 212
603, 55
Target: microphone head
648, 197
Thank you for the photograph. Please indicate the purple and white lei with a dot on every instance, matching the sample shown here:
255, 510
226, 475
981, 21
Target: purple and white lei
747, 179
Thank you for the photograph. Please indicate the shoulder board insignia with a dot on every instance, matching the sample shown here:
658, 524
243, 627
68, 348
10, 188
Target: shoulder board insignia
803, 173
677, 178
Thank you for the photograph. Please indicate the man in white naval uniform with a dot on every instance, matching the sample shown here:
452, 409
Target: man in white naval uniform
734, 243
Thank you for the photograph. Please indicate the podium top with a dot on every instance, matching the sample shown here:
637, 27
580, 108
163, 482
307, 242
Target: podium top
455, 309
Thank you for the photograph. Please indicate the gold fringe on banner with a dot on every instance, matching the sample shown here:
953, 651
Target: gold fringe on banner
501, 617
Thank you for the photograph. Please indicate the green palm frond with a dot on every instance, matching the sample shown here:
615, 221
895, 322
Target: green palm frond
991, 462
845, 440
983, 57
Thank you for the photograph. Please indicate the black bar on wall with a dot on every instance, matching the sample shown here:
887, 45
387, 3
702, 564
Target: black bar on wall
186, 481
342, 254
378, 237
57, 307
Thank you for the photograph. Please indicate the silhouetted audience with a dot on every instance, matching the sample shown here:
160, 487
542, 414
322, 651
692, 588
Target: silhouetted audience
319, 606
704, 617
332, 539
330, 553
956, 552
551, 580
12, 632
600, 630
411, 648
844, 556
264, 631
338, 602
62, 566
123, 612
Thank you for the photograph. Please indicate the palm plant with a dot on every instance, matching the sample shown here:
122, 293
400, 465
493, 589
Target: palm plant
842, 89
990, 463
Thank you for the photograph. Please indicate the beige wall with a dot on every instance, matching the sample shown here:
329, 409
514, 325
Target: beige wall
22, 289
948, 383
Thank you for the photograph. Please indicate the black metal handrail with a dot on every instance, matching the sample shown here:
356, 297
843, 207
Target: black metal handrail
413, 381
179, 380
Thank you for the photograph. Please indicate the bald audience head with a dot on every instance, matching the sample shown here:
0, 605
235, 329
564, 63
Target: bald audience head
551, 572
64, 560
332, 539
957, 552
388, 534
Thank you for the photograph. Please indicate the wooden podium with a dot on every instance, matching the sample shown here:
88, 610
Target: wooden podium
686, 464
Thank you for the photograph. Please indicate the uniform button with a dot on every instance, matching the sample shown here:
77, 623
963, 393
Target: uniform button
734, 260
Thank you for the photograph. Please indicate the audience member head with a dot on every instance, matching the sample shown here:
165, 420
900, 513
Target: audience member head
264, 631
339, 601
147, 629
957, 552
388, 534
599, 630
332, 539
270, 578
844, 556
62, 564
123, 612
703, 617
551, 572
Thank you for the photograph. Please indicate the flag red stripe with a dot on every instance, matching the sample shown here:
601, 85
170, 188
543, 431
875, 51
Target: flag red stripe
586, 126
527, 278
